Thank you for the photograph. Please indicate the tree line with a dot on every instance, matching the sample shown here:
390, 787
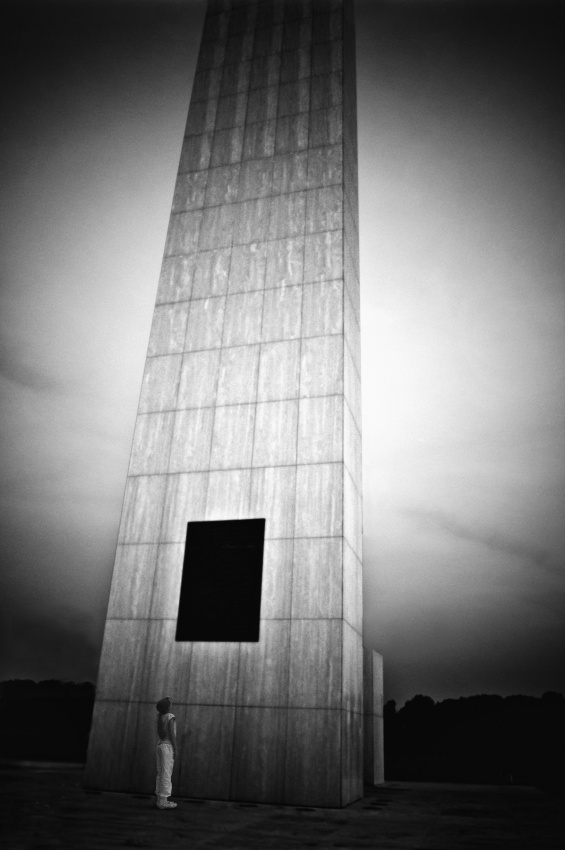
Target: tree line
486, 739
45, 721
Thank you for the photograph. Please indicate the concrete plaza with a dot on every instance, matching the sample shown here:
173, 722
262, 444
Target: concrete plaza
45, 805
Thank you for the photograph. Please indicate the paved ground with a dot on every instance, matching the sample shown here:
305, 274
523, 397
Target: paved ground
45, 806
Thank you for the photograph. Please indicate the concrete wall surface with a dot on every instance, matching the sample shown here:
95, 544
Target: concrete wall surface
250, 407
373, 726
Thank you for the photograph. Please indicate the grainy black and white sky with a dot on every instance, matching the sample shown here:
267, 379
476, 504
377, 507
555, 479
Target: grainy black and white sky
462, 202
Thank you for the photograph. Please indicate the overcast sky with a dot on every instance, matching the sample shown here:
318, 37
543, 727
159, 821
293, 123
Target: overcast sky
462, 202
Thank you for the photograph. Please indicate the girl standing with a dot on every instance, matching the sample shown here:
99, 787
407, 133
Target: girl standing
166, 752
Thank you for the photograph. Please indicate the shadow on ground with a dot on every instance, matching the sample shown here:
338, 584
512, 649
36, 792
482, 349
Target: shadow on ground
45, 806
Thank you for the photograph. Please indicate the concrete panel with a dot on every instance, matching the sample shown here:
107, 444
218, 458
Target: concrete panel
213, 673
238, 374
205, 772
315, 664
326, 127
262, 104
205, 324
215, 28
352, 515
206, 84
248, 266
325, 165
239, 48
323, 308
352, 332
328, 25
324, 209
273, 497
352, 683
175, 281
228, 495
274, 442
292, 133
242, 322
198, 379
317, 578
287, 216
151, 443
123, 651
297, 33
319, 500
279, 370
160, 383
259, 140
262, 678
189, 191
351, 274
277, 579
192, 440
232, 440
373, 675
185, 501
294, 97
373, 762
212, 54
352, 447
321, 366
251, 221
352, 588
282, 313
227, 146
217, 224
327, 58
222, 185
323, 256
258, 757
166, 587
295, 65
265, 71
111, 742
352, 757
195, 153
132, 582
320, 429
289, 172
285, 262
142, 509
231, 111
256, 178
235, 78
313, 758
327, 90
167, 665
268, 38
352, 386
184, 229
211, 270
201, 117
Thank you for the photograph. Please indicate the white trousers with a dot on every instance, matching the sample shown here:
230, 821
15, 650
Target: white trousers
165, 760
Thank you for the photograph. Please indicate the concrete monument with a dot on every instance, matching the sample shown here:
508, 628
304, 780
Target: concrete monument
237, 584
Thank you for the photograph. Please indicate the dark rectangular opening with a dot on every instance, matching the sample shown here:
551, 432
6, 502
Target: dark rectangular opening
220, 595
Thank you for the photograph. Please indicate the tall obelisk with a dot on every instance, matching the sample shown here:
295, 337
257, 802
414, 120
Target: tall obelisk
250, 410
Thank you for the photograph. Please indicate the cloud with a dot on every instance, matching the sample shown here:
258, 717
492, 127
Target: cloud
16, 369
492, 539
19, 368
